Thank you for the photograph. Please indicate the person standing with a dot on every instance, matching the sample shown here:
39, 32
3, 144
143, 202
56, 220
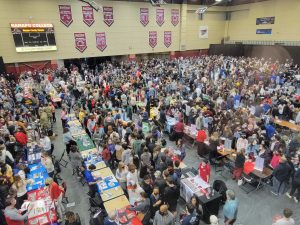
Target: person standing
163, 216
11, 213
171, 195
204, 170
295, 186
230, 209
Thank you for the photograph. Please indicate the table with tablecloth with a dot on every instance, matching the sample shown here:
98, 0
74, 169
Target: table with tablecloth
75, 128
84, 142
92, 156
37, 175
193, 186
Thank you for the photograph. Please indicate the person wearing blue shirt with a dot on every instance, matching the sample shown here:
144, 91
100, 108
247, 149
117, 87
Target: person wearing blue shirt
111, 218
230, 209
87, 173
270, 130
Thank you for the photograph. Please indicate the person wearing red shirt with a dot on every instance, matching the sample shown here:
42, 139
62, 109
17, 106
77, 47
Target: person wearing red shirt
56, 194
201, 136
178, 129
204, 170
21, 137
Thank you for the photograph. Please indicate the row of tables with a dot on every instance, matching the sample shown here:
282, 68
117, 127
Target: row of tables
108, 187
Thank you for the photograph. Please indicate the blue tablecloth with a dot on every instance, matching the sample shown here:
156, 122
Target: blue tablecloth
92, 159
107, 183
38, 174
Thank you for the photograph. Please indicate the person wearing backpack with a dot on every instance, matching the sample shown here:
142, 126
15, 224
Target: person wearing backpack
192, 217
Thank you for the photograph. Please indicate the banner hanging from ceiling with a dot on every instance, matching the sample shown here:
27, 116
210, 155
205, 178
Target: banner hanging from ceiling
152, 38
175, 17
203, 32
88, 15
144, 16
108, 15
65, 13
167, 38
80, 41
160, 17
101, 41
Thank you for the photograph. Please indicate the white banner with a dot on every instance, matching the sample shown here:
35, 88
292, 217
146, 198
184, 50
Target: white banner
203, 32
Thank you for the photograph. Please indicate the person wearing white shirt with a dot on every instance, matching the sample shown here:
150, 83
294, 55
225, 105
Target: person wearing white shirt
242, 143
46, 143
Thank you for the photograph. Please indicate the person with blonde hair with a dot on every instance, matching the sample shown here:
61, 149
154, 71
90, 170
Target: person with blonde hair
20, 187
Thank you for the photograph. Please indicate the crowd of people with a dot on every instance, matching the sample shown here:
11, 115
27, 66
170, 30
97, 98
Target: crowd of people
124, 107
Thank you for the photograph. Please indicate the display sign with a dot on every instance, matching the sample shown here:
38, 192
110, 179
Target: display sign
152, 38
144, 16
265, 20
80, 41
101, 41
203, 32
263, 31
33, 37
88, 15
108, 15
167, 38
65, 14
175, 17
160, 17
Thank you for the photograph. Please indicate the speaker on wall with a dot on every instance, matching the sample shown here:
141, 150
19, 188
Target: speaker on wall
2, 66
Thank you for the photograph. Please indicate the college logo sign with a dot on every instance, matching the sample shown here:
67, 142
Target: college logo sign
175, 17
167, 38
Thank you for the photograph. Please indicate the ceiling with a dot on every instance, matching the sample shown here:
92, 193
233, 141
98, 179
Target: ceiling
203, 2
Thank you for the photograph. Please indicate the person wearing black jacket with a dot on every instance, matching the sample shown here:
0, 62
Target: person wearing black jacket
281, 175
171, 195
295, 186
239, 165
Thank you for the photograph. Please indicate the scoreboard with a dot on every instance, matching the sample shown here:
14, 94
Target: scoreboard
33, 37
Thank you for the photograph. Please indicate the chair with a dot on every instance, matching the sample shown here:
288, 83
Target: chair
96, 203
248, 181
62, 161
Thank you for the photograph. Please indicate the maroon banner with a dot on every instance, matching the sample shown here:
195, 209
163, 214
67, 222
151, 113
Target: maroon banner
160, 17
144, 16
65, 14
167, 38
88, 15
108, 15
175, 17
101, 41
152, 38
80, 41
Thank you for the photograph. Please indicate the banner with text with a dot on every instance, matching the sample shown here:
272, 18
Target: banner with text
80, 41
144, 16
263, 31
175, 17
88, 15
167, 38
101, 41
108, 15
160, 17
265, 20
152, 38
65, 13
203, 32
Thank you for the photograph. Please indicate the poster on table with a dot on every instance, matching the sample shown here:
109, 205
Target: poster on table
160, 17
144, 16
265, 20
88, 15
175, 17
101, 41
203, 32
65, 14
263, 31
108, 15
152, 38
80, 41
167, 38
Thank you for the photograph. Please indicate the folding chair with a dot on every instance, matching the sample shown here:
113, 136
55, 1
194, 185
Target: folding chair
62, 161
248, 181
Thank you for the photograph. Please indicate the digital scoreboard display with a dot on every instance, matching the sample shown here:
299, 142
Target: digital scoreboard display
33, 37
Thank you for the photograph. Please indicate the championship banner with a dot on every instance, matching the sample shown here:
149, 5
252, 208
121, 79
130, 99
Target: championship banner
88, 15
203, 32
265, 20
175, 17
167, 38
152, 38
80, 41
101, 41
160, 17
108, 15
144, 16
263, 31
65, 14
